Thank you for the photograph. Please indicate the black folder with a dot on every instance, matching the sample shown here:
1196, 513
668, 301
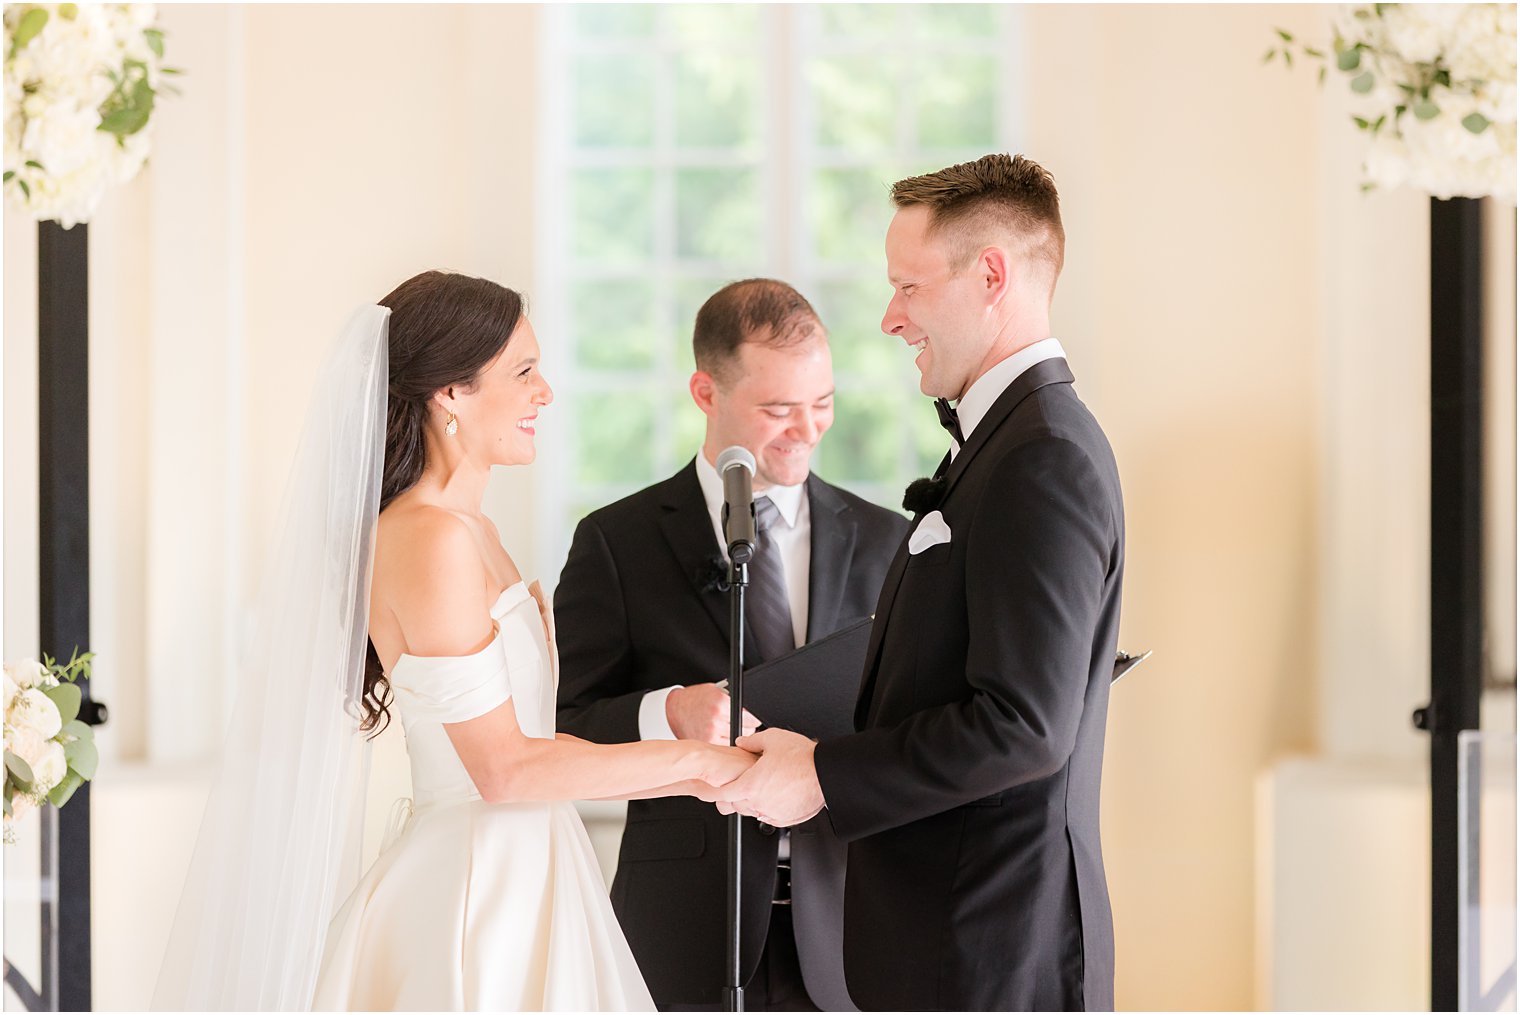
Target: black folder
813, 689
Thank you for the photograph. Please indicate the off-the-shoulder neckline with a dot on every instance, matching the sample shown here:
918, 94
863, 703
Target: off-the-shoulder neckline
496, 628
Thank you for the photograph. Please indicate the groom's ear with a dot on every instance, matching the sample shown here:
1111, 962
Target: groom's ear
995, 269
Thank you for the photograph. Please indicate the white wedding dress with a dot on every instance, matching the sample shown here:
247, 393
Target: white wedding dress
473, 905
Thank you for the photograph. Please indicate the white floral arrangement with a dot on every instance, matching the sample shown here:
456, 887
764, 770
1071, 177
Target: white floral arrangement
80, 84
1437, 88
49, 752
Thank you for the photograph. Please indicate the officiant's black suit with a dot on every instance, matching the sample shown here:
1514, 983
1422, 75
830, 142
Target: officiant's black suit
970, 798
636, 610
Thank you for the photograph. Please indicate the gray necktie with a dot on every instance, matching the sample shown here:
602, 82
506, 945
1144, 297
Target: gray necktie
767, 610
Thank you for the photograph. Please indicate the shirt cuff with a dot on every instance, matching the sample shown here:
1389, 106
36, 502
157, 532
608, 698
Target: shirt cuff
653, 725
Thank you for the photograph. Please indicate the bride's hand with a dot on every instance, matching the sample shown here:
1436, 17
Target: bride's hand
722, 765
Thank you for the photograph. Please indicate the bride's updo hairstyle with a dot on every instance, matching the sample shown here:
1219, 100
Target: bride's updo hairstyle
445, 329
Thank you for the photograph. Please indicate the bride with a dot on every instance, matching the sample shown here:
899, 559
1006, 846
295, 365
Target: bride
392, 598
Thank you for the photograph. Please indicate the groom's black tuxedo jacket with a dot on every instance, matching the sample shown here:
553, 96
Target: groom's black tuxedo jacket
970, 796
636, 610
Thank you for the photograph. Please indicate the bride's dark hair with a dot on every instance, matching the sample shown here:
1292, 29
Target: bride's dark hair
444, 330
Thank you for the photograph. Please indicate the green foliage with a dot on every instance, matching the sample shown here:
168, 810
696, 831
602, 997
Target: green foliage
67, 697
27, 29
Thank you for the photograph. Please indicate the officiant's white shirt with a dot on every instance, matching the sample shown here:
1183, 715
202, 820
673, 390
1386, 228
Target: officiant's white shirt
792, 536
985, 390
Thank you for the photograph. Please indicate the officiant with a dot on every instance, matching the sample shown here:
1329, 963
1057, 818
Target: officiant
643, 631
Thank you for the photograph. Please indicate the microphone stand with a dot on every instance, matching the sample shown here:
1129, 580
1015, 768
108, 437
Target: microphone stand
739, 554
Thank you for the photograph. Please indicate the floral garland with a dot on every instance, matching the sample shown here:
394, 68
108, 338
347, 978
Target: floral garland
49, 751
1437, 88
80, 85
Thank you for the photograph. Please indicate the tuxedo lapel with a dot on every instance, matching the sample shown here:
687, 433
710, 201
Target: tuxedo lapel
1051, 371
832, 545
688, 529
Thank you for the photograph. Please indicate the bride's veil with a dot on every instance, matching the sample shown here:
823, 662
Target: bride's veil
279, 846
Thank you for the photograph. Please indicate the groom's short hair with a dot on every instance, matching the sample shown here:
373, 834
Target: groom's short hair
762, 310
995, 200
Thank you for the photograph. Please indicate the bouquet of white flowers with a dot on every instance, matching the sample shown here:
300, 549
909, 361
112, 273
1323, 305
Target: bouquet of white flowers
1437, 84
80, 82
49, 752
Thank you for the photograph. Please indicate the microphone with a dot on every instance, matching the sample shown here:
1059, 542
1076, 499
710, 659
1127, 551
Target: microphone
737, 467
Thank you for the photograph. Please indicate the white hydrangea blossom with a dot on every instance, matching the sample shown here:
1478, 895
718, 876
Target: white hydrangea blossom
1462, 57
55, 86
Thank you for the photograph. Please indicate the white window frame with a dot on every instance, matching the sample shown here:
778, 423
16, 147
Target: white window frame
790, 36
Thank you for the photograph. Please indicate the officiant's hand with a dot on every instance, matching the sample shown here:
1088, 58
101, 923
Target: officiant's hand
782, 788
700, 712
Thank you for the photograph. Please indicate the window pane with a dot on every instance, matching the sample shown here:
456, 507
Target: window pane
615, 441
601, 21
614, 101
958, 109
929, 439
856, 103
849, 212
858, 20
863, 442
852, 312
688, 429
614, 324
717, 100
614, 215
957, 21
718, 215
713, 23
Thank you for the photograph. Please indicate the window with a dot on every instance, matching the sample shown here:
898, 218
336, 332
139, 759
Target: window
687, 146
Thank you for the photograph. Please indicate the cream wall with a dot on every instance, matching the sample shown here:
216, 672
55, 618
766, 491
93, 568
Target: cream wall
1247, 326
1191, 190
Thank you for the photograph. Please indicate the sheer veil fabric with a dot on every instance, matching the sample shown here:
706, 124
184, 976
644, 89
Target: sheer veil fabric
279, 846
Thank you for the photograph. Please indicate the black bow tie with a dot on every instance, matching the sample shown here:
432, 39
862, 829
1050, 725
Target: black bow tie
949, 420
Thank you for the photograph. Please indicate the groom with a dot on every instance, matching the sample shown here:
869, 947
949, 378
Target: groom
639, 614
969, 796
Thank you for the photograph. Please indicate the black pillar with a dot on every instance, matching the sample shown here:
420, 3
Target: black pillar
1456, 556
64, 551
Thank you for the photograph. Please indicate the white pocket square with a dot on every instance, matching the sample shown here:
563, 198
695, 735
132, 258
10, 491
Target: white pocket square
931, 531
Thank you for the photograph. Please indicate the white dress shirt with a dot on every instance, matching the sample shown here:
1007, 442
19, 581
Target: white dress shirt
792, 536
973, 405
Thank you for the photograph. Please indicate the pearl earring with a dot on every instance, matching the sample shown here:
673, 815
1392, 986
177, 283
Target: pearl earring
452, 426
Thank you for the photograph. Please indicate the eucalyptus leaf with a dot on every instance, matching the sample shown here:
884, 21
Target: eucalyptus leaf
1475, 122
8, 803
155, 39
1363, 82
66, 697
78, 730
60, 793
1348, 59
83, 757
19, 768
32, 22
1426, 110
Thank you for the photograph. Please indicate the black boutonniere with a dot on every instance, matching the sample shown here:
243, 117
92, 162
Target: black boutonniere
712, 576
924, 495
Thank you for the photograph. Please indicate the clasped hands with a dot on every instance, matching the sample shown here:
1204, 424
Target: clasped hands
780, 788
